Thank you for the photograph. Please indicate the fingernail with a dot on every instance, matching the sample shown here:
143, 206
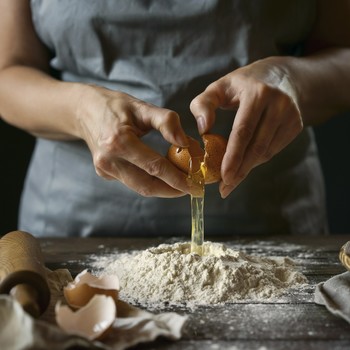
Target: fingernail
225, 191
201, 124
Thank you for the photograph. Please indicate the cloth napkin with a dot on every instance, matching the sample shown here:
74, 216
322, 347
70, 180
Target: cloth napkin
334, 294
18, 330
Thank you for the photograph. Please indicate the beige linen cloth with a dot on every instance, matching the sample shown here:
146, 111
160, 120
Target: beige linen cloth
334, 294
18, 330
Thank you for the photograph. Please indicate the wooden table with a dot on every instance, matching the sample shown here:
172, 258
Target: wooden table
294, 322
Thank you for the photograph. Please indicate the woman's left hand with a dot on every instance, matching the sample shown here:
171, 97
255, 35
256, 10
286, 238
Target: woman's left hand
267, 116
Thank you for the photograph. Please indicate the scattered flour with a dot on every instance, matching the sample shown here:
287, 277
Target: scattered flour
170, 274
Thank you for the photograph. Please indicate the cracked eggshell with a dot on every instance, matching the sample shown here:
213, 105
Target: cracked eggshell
85, 285
93, 321
180, 156
213, 153
215, 148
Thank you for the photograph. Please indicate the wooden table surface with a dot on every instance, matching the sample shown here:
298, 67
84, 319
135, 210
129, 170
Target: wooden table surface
293, 322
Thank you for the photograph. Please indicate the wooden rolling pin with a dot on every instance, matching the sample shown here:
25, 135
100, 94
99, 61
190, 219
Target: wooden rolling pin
22, 272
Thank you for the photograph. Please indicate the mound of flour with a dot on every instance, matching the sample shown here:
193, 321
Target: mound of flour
169, 273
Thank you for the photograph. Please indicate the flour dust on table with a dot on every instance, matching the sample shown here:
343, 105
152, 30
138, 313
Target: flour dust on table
170, 274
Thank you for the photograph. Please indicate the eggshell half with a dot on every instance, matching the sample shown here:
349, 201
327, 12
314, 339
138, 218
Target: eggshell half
93, 321
215, 148
85, 285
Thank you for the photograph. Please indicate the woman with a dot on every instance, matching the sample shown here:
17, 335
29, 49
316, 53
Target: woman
106, 87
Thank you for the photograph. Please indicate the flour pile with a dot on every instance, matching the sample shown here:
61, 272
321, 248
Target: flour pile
170, 274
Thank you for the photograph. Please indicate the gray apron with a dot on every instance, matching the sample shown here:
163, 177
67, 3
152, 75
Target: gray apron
166, 52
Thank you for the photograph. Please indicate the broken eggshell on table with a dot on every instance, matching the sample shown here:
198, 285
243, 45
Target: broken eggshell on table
93, 321
85, 285
95, 299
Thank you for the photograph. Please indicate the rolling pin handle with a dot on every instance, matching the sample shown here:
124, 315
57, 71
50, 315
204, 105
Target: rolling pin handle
22, 272
28, 297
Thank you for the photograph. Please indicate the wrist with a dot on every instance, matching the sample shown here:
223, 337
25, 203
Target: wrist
84, 110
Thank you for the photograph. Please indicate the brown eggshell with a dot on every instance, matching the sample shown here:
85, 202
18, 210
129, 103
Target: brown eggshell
215, 148
180, 156
93, 321
79, 292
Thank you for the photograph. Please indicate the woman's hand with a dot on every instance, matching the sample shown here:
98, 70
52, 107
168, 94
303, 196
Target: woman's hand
112, 124
267, 117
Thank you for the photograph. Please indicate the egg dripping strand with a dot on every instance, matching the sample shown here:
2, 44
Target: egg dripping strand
202, 167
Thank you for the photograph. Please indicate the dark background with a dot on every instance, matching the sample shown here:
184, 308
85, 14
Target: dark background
332, 137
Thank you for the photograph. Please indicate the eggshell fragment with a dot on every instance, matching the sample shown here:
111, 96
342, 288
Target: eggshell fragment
181, 156
212, 155
215, 148
93, 321
85, 285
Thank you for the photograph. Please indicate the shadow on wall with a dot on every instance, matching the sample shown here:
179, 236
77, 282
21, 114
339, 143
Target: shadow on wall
332, 138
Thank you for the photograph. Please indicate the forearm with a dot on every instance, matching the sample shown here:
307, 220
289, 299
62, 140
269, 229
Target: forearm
321, 82
33, 101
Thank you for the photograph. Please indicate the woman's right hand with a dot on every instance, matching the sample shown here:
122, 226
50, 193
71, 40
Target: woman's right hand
112, 124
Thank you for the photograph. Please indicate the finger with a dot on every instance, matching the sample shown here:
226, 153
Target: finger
278, 127
166, 121
225, 190
244, 128
139, 181
258, 152
259, 149
131, 149
285, 135
275, 134
223, 93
